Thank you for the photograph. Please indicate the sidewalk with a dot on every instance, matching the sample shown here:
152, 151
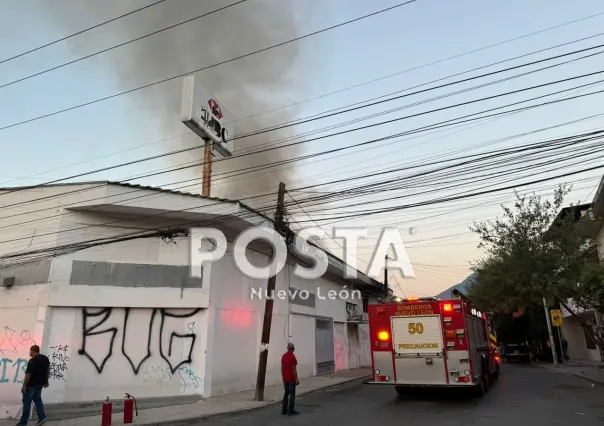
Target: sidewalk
590, 370
219, 406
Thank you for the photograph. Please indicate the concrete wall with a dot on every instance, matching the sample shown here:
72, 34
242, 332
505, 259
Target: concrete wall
22, 319
236, 318
577, 345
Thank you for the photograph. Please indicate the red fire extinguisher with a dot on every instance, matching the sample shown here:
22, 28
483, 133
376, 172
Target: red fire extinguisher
107, 411
129, 406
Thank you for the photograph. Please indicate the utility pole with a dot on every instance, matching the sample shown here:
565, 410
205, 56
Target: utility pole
551, 333
206, 183
268, 307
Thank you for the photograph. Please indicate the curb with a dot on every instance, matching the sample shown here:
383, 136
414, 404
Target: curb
569, 373
233, 413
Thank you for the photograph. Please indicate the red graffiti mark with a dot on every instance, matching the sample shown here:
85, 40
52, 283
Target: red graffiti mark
11, 343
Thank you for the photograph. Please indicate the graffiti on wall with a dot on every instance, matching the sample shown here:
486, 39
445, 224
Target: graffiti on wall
156, 375
12, 371
94, 325
13, 345
58, 362
12, 341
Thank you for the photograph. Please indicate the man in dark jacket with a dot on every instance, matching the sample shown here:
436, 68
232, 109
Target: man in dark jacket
36, 378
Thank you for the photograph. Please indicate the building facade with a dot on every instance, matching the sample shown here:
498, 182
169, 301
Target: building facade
580, 347
98, 275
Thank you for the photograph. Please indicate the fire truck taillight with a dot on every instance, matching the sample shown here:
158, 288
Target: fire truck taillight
450, 334
383, 336
447, 307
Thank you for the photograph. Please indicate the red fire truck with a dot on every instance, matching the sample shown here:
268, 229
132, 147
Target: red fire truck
423, 342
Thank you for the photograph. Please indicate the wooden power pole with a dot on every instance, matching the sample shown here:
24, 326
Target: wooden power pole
207, 168
268, 307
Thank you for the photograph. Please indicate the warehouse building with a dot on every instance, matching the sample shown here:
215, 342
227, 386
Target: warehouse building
98, 274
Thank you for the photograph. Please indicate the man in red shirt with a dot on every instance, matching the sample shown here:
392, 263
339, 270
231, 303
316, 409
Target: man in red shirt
289, 373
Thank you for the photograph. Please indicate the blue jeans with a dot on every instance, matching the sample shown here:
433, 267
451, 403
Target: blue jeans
289, 398
32, 394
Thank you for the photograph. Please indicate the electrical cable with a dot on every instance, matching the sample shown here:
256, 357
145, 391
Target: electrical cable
204, 68
465, 80
433, 81
441, 61
19, 80
140, 9
360, 144
376, 124
437, 200
250, 153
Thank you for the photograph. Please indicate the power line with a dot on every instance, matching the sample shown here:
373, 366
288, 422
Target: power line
438, 62
424, 128
19, 80
365, 127
465, 80
118, 221
206, 67
433, 88
459, 197
81, 32
189, 180
357, 103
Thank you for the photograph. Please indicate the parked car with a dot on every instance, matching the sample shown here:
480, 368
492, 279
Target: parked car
518, 352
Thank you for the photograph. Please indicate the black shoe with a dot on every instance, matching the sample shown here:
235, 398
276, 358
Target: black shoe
293, 413
283, 413
41, 422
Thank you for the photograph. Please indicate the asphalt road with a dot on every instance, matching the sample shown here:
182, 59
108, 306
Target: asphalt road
523, 396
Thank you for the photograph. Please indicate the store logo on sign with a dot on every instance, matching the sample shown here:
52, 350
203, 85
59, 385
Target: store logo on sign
211, 119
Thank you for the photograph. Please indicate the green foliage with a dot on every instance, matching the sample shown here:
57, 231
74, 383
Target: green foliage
536, 250
521, 258
590, 290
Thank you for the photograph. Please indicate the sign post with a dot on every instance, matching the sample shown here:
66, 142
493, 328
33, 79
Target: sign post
557, 322
548, 320
208, 119
556, 317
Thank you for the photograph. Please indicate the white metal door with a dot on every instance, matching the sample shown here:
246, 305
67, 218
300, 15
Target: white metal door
324, 346
418, 350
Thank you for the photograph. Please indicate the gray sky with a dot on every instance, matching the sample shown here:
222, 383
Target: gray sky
146, 122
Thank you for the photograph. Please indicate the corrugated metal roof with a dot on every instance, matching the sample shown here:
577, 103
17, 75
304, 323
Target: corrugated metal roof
130, 185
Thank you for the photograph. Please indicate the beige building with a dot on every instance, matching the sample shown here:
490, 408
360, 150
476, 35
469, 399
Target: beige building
579, 346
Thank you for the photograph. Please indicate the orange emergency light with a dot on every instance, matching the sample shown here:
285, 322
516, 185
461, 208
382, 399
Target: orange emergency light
447, 307
383, 335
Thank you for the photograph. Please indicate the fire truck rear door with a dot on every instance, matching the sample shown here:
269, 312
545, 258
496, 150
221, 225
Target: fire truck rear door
418, 350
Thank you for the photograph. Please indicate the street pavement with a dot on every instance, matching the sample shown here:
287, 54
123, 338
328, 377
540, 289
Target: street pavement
523, 396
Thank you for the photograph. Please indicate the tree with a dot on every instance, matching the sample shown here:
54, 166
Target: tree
536, 250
